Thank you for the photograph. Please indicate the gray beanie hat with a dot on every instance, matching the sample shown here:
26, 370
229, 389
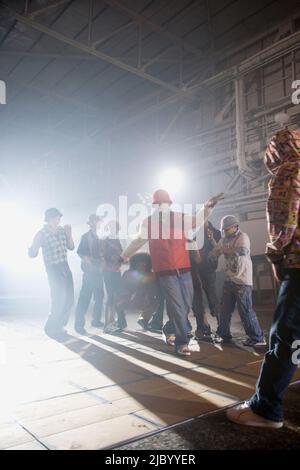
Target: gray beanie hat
228, 221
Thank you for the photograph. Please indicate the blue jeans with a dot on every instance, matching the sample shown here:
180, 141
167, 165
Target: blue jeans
62, 297
92, 285
278, 368
240, 295
178, 291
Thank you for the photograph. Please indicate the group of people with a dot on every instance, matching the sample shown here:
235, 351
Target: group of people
173, 276
176, 277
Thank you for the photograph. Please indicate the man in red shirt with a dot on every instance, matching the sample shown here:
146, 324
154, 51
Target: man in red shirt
166, 232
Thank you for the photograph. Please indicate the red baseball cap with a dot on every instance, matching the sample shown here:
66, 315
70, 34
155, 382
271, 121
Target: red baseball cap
160, 196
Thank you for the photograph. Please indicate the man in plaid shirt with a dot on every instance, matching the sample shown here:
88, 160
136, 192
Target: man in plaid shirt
55, 241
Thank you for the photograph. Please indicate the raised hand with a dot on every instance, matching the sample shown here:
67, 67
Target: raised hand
68, 230
213, 201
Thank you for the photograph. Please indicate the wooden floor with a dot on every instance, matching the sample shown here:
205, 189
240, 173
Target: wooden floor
100, 390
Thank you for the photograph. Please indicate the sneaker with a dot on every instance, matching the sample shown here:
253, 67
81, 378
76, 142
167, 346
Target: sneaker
80, 330
218, 339
199, 336
183, 350
243, 414
170, 340
254, 344
143, 323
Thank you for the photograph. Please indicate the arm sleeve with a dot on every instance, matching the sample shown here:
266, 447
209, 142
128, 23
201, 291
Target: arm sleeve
243, 247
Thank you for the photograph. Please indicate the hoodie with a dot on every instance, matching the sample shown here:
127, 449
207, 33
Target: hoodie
282, 160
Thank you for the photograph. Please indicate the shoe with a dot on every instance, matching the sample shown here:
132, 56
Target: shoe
183, 350
199, 336
218, 339
80, 330
97, 324
170, 340
243, 414
143, 323
254, 344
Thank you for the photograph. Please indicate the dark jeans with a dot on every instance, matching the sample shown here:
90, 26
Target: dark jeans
178, 291
92, 285
242, 296
198, 305
278, 367
208, 280
113, 286
62, 297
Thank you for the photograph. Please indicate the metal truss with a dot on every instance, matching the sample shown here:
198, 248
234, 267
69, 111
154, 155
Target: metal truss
90, 50
28, 18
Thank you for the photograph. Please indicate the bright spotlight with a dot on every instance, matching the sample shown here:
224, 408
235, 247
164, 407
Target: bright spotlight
17, 230
172, 180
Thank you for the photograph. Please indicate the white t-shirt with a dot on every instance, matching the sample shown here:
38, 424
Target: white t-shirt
238, 267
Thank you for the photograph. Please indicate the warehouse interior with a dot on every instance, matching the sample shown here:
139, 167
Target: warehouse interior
98, 98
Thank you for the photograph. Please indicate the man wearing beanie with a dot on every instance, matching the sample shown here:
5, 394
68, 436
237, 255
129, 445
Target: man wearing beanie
55, 241
237, 290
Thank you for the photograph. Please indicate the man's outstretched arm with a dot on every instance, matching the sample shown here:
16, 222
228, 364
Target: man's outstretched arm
133, 247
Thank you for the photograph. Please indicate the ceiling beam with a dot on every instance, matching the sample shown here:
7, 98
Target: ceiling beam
46, 9
57, 55
89, 50
142, 19
256, 61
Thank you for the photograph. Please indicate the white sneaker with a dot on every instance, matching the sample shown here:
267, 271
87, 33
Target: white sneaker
183, 350
243, 414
